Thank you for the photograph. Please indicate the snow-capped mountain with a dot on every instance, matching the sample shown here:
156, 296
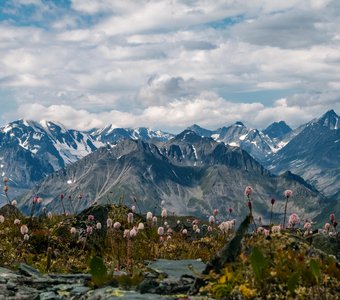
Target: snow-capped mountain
48, 140
110, 134
254, 141
31, 150
313, 153
192, 174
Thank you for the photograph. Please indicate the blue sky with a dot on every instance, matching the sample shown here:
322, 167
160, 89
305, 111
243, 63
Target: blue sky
168, 64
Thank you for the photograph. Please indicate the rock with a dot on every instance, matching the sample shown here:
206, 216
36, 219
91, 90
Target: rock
29, 271
177, 268
49, 296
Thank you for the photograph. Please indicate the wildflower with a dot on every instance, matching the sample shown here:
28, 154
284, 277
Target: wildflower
293, 220
16, 222
276, 229
161, 239
197, 230
307, 226
248, 191
133, 232
2, 219
73, 230
327, 226
215, 212
109, 223
5, 180
130, 218
184, 232
117, 225
210, 229
49, 215
6, 188
332, 217
169, 238
140, 226
26, 237
14, 202
89, 229
133, 208
266, 232
165, 223
149, 216
169, 231
90, 218
164, 213
260, 230
126, 233
194, 227
160, 231
178, 221
23, 229
154, 220
288, 193
99, 226
162, 203
35, 199
211, 219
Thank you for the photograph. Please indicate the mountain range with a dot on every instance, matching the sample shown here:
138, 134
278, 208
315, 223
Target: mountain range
31, 153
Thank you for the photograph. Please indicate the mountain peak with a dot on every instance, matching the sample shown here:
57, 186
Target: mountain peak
189, 136
277, 129
330, 119
239, 123
200, 130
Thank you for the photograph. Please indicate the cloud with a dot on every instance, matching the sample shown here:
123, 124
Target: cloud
169, 64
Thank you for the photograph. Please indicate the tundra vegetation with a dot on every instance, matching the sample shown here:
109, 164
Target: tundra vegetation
286, 259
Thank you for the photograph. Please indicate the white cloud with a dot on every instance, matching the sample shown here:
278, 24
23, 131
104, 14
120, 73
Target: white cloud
168, 64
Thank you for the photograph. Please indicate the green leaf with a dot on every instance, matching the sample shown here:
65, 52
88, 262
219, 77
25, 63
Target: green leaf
292, 282
98, 271
315, 269
258, 263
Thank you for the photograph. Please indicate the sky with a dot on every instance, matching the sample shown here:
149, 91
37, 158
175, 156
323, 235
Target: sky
168, 64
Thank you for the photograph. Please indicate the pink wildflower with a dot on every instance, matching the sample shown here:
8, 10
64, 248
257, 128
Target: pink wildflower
90, 217
248, 191
116, 225
160, 231
109, 223
149, 216
130, 218
126, 233
164, 213
89, 229
211, 219
140, 226
293, 220
23, 229
215, 212
133, 232
288, 193
184, 232
73, 230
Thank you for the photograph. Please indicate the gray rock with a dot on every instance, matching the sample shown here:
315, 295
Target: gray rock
29, 271
177, 268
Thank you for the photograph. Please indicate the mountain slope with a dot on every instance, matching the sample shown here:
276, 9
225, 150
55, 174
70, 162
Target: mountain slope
314, 154
193, 175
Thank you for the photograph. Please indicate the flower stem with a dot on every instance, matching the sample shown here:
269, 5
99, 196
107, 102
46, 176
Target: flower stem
284, 217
